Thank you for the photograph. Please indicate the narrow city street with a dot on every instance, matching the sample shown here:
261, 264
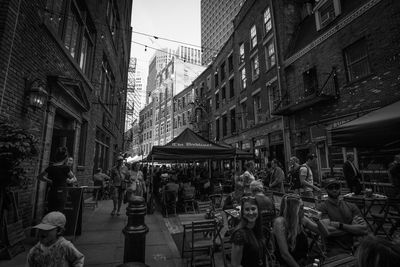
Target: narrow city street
102, 240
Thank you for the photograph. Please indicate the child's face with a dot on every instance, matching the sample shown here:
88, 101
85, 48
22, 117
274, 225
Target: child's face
48, 237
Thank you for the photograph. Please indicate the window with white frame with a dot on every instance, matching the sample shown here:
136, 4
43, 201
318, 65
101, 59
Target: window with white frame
241, 53
253, 37
243, 115
73, 25
270, 57
267, 21
112, 19
257, 108
107, 84
356, 56
255, 69
243, 79
325, 12
233, 120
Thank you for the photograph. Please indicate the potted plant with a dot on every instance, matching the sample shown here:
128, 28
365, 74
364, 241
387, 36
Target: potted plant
16, 146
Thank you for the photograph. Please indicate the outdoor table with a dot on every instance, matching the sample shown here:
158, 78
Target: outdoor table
368, 202
342, 260
233, 217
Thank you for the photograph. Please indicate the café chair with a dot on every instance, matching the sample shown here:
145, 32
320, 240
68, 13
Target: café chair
216, 201
188, 196
201, 246
390, 216
204, 206
226, 251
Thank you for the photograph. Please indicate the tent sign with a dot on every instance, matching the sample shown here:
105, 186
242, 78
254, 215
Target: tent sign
189, 144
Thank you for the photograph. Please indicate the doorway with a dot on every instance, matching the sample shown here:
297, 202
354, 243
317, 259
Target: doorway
63, 136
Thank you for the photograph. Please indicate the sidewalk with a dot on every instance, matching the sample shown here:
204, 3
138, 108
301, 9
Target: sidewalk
102, 241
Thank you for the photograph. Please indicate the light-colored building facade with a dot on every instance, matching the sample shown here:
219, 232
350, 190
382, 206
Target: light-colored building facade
182, 110
216, 25
189, 54
159, 60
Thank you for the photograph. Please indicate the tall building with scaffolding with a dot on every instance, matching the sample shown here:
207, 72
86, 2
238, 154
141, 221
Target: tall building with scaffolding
135, 94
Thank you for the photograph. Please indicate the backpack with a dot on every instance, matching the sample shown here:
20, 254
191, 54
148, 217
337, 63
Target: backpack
295, 177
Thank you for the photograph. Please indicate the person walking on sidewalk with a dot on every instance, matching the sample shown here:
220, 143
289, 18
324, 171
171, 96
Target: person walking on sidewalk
306, 177
53, 250
119, 177
277, 177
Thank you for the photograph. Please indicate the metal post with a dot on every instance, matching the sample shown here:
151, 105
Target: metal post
135, 231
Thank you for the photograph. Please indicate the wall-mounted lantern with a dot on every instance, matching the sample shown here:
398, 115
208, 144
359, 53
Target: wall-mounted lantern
35, 92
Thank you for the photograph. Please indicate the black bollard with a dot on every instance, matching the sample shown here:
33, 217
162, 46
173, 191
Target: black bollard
135, 231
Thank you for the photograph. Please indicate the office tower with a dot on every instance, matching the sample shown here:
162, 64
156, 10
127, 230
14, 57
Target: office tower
159, 60
216, 25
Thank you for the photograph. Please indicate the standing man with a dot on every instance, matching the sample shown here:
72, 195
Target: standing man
306, 177
277, 177
394, 175
119, 177
352, 175
98, 180
343, 220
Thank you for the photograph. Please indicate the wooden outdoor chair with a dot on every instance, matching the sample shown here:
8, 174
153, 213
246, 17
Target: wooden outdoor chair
390, 217
204, 206
226, 251
201, 242
189, 194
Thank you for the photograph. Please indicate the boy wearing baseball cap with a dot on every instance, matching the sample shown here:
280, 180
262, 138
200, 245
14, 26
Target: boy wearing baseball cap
53, 250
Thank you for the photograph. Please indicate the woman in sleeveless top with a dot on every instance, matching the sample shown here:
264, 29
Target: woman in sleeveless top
248, 242
291, 244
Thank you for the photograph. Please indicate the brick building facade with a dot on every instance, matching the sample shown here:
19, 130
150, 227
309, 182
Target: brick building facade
78, 52
341, 63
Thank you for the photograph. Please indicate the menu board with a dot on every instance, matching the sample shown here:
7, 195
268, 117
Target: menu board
73, 211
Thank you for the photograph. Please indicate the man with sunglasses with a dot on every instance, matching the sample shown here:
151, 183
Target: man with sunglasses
343, 220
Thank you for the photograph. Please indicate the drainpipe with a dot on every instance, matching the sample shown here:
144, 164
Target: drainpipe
9, 56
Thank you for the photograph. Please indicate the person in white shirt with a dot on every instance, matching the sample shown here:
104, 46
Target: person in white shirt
306, 178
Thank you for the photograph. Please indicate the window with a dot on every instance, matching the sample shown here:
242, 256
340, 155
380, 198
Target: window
257, 108
107, 83
183, 119
267, 20
243, 121
224, 125
102, 150
216, 80
270, 55
231, 88
255, 70
357, 64
253, 37
241, 53
217, 101
72, 24
82, 143
222, 68
230, 63
217, 134
243, 79
223, 94
274, 96
168, 125
326, 11
208, 82
310, 81
112, 19
233, 120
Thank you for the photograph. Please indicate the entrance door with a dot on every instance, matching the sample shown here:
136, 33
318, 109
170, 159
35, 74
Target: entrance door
61, 138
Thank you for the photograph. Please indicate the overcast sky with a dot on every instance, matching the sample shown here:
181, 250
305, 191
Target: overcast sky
172, 19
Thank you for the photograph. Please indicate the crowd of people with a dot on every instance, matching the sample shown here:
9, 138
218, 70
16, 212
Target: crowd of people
263, 236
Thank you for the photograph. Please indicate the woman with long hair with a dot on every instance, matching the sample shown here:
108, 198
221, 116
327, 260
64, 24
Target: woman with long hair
291, 244
248, 242
377, 251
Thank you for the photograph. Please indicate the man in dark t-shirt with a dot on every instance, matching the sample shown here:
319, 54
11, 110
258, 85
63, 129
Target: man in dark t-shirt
343, 220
